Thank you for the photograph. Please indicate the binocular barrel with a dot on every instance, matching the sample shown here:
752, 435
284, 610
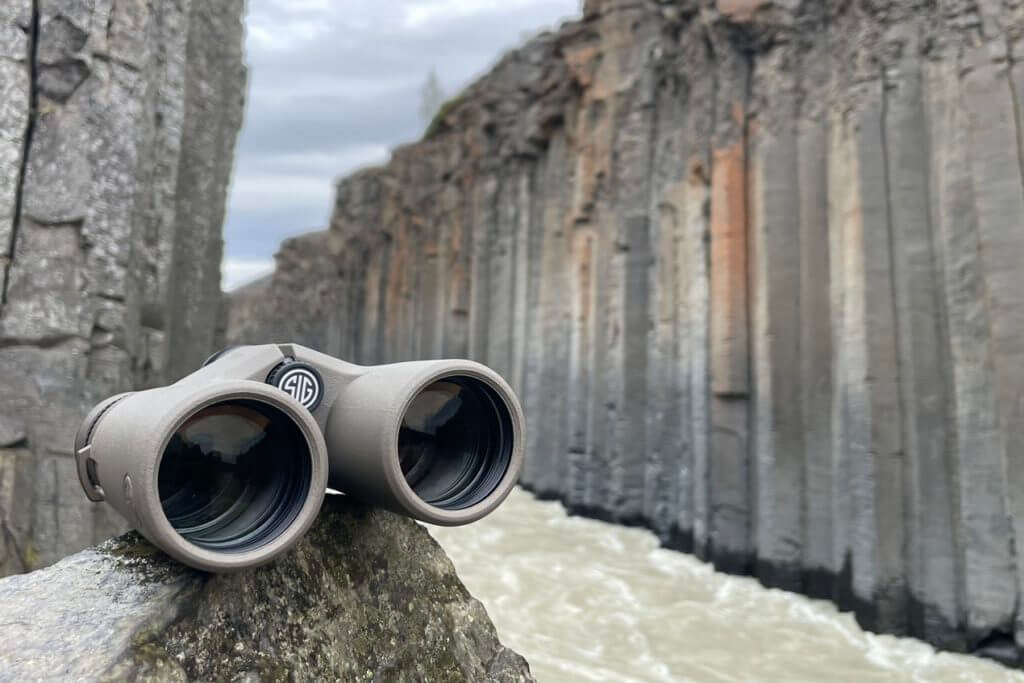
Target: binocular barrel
228, 467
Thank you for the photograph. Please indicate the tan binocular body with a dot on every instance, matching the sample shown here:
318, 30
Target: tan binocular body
227, 468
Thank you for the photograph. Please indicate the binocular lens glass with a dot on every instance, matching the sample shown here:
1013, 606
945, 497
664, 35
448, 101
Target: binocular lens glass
234, 475
455, 442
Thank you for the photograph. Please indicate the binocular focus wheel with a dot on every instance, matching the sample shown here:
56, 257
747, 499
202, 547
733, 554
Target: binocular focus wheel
299, 380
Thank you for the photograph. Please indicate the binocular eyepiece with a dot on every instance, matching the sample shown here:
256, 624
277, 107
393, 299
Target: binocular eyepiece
227, 468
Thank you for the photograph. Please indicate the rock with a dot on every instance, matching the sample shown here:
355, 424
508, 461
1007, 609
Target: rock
117, 126
366, 595
754, 267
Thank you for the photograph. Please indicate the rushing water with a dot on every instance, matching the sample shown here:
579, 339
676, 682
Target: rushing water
588, 601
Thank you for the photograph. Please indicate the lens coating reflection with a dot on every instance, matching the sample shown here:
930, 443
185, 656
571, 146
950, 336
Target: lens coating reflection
455, 442
234, 475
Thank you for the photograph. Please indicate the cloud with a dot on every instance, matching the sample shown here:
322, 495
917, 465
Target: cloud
431, 13
269, 191
335, 84
326, 121
264, 228
299, 180
235, 273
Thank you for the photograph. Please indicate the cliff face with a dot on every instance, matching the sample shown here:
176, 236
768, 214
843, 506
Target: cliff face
117, 130
366, 595
754, 268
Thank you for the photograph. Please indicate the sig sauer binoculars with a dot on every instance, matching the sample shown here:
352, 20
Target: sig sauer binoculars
227, 468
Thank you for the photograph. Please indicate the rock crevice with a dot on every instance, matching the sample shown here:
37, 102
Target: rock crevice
19, 182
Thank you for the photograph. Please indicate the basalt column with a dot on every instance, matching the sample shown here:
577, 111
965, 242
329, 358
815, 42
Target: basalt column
117, 129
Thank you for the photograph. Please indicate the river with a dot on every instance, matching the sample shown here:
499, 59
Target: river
587, 601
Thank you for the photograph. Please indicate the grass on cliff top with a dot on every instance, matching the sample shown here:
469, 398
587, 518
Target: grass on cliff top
437, 124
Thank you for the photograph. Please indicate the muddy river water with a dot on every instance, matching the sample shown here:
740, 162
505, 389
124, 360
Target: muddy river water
588, 601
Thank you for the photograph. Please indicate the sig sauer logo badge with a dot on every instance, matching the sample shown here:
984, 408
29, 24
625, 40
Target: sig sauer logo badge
302, 382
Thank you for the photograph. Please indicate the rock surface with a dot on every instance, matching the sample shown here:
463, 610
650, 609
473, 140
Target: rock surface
366, 595
754, 267
117, 130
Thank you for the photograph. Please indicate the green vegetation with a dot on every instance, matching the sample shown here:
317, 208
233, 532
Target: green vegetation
437, 124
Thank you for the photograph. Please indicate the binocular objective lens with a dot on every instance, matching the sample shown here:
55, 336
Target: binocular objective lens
455, 442
234, 475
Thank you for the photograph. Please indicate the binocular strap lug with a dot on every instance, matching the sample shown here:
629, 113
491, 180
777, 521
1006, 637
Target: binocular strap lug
87, 474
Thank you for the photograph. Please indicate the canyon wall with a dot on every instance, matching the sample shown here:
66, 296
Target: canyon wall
754, 267
117, 130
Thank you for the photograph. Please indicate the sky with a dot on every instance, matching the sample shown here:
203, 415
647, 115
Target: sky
333, 86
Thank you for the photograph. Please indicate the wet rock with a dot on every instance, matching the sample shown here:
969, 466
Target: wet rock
366, 595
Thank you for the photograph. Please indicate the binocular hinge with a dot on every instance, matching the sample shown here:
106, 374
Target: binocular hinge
87, 474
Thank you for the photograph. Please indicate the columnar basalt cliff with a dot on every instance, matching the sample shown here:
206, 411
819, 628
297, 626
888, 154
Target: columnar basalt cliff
117, 130
755, 268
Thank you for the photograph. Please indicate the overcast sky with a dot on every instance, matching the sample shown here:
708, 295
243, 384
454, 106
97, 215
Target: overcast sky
334, 85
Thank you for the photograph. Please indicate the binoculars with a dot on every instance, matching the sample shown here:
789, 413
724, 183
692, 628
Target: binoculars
227, 468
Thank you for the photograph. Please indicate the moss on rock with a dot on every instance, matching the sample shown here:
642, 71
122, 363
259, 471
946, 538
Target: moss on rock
365, 596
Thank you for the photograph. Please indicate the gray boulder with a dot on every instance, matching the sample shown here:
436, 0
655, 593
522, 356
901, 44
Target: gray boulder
367, 595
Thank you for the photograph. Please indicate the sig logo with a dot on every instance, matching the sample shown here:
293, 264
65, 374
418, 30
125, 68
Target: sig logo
301, 381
